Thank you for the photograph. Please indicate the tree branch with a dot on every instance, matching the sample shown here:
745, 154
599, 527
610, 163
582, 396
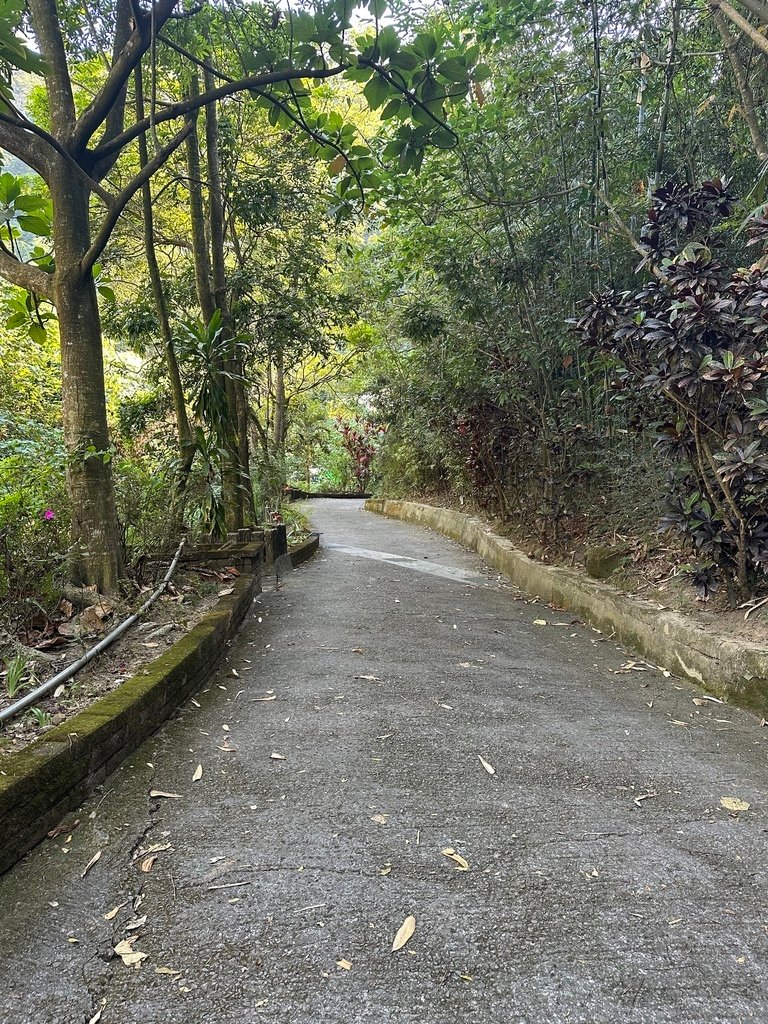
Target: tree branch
17, 139
122, 200
760, 41
192, 103
25, 275
47, 29
100, 107
34, 132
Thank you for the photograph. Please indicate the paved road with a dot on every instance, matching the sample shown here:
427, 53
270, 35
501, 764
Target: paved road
583, 903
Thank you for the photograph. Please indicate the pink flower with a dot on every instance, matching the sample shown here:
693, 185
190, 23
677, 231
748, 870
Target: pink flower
49, 514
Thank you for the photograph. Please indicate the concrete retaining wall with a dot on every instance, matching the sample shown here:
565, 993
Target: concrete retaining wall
733, 670
53, 775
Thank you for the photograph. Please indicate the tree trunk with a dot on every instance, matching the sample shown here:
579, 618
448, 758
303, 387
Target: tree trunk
197, 218
96, 549
238, 490
183, 429
742, 81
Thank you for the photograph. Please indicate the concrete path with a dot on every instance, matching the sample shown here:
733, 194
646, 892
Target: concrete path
606, 884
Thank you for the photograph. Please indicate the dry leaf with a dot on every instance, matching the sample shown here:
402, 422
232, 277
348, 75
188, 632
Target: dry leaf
168, 970
488, 767
731, 803
385, 870
226, 592
644, 796
150, 643
198, 774
539, 622
380, 819
95, 1018
465, 664
225, 727
112, 914
343, 964
126, 952
271, 697
90, 863
358, 650
451, 854
233, 674
371, 679
138, 923
404, 932
146, 864
277, 757
168, 796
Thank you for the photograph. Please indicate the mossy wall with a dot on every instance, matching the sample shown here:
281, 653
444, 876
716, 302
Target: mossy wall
53, 775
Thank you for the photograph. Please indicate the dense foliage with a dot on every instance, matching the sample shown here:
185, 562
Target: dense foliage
246, 247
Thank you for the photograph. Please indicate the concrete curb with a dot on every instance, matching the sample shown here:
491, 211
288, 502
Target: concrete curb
54, 774
301, 552
734, 671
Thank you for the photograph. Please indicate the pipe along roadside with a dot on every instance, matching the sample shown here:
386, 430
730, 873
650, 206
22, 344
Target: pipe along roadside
66, 674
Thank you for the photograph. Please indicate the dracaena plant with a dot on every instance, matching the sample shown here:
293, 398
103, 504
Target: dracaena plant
692, 342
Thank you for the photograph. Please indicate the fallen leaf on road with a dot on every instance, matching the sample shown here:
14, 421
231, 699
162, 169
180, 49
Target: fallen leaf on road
358, 650
225, 728
90, 863
168, 970
146, 864
193, 701
465, 664
380, 819
95, 1018
132, 926
233, 674
704, 699
226, 591
371, 679
731, 803
150, 643
227, 748
539, 622
343, 964
385, 870
451, 854
404, 932
126, 952
112, 914
198, 773
157, 793
277, 757
270, 697
488, 767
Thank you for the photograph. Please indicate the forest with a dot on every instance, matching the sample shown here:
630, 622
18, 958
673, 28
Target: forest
509, 257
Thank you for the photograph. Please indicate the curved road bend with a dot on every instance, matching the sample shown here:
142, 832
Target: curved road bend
606, 885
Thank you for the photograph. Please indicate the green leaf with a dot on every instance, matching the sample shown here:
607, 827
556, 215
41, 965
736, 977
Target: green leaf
392, 109
444, 139
37, 334
388, 42
377, 92
404, 60
453, 70
481, 72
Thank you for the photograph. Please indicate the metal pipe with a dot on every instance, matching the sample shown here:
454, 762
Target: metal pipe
62, 677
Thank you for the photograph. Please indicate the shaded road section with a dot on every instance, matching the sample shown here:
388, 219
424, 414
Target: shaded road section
606, 882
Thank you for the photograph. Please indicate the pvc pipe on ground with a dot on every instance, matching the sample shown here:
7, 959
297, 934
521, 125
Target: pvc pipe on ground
66, 674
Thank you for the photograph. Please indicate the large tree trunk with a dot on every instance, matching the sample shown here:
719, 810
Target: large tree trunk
96, 550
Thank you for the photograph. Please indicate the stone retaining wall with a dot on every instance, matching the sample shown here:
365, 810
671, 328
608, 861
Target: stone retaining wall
54, 774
